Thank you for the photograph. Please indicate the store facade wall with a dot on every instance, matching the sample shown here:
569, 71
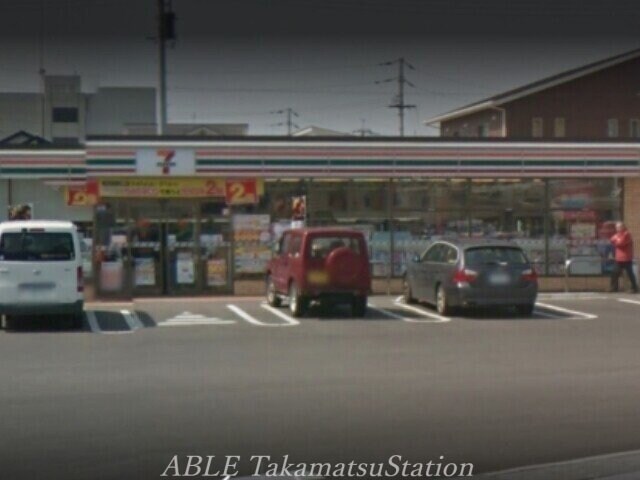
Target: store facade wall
558, 201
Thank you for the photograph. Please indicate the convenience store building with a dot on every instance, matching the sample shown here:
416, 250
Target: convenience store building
185, 216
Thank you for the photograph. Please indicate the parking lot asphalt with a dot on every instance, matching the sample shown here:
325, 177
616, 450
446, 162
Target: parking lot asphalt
147, 380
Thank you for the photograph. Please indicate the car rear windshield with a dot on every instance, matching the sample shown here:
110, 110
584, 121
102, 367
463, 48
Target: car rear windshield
494, 255
36, 246
321, 247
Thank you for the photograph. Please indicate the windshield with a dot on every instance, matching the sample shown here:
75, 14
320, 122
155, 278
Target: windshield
36, 246
494, 255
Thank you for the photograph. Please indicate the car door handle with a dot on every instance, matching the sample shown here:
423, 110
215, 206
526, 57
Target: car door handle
4, 270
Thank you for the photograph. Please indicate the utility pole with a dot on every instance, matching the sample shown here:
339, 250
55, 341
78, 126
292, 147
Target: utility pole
290, 112
166, 32
402, 80
42, 72
363, 132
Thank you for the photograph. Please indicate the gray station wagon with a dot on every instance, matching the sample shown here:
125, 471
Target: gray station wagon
468, 273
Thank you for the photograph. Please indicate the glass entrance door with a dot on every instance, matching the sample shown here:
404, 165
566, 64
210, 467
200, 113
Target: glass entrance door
163, 247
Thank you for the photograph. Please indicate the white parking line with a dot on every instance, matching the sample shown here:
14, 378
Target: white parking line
388, 313
291, 322
435, 318
93, 321
252, 320
132, 320
186, 319
628, 300
580, 315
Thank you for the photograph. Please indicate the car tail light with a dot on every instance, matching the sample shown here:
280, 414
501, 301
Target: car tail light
530, 275
80, 280
464, 275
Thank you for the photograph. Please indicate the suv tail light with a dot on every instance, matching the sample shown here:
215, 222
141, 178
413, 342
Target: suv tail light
80, 280
530, 275
464, 275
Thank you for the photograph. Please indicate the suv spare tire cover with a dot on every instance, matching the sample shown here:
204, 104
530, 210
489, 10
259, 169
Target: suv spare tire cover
343, 265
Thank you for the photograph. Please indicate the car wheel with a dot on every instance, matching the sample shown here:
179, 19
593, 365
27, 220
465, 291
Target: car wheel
359, 306
526, 310
442, 302
272, 297
297, 303
77, 322
407, 293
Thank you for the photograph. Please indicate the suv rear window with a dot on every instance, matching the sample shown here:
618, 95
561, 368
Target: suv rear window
321, 247
36, 246
489, 255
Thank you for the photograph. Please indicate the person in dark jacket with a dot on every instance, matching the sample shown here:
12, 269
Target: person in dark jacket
623, 245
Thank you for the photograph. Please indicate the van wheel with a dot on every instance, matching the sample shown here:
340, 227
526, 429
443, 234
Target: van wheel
359, 306
442, 302
297, 303
77, 321
272, 296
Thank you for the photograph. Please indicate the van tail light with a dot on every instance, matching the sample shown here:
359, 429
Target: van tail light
530, 275
80, 280
464, 275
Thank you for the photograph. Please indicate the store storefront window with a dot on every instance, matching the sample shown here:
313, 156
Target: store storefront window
424, 211
511, 209
111, 248
362, 205
583, 213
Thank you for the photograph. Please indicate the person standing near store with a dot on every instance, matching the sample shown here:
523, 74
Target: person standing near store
623, 246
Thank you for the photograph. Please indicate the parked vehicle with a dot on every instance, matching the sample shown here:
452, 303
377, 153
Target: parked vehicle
469, 273
40, 269
329, 265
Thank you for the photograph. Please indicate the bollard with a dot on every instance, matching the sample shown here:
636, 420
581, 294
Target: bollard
567, 267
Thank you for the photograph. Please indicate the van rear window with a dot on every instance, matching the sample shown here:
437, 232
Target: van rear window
36, 246
321, 247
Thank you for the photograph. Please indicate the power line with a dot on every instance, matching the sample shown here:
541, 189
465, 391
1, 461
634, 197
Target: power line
402, 81
290, 113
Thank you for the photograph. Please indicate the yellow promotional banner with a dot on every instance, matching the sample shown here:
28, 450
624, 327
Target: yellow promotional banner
162, 188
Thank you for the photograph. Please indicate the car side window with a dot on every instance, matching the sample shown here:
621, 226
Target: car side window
294, 245
451, 255
434, 254
284, 244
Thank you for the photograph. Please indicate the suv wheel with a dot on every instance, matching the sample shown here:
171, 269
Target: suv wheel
272, 297
359, 306
442, 302
297, 303
408, 295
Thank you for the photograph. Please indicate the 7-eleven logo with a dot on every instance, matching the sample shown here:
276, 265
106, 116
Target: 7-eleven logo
167, 161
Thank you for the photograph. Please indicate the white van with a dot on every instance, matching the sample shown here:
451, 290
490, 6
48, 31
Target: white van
40, 269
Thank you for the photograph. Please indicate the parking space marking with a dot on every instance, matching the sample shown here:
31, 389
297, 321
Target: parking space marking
386, 312
187, 319
291, 322
132, 320
580, 315
628, 300
251, 319
93, 321
434, 317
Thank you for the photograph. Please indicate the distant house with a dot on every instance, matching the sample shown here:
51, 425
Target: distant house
191, 129
596, 101
23, 139
314, 131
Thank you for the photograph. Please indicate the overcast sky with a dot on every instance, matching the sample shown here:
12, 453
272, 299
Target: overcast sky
237, 60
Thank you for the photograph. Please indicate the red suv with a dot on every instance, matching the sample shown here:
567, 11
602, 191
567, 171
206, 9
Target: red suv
323, 264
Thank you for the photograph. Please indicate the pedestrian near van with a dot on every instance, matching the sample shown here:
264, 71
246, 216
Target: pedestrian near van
623, 247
